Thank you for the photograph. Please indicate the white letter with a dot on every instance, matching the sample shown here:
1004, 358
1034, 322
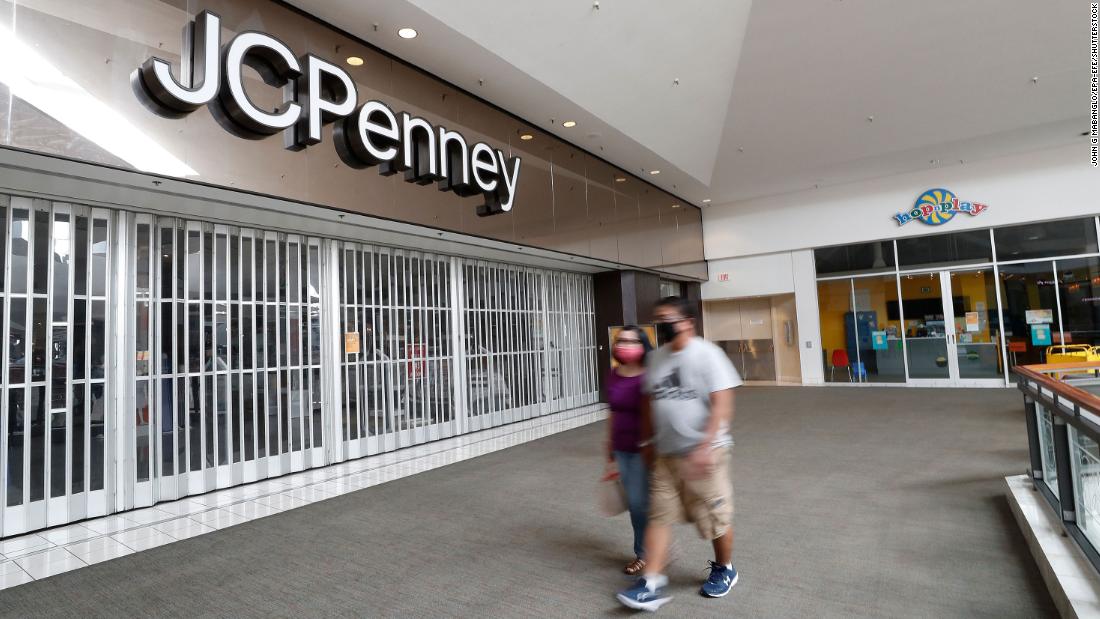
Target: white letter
510, 179
198, 69
277, 66
320, 76
477, 159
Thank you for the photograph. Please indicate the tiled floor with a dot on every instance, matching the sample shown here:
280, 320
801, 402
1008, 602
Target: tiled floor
53, 551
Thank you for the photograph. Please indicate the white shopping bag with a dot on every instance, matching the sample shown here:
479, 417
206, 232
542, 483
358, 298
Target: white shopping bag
610, 494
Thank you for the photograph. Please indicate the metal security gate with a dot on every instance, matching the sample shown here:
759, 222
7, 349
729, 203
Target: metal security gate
146, 358
527, 341
56, 259
397, 362
227, 349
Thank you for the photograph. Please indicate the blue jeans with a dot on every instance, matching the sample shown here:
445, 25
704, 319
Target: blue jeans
635, 478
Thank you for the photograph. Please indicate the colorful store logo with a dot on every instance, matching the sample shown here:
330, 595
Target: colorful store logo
938, 206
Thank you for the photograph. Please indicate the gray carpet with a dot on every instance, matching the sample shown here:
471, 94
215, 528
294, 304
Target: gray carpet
851, 503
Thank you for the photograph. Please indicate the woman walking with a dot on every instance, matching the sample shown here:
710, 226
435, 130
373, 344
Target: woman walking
624, 397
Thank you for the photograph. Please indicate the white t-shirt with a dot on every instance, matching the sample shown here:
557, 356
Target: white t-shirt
679, 385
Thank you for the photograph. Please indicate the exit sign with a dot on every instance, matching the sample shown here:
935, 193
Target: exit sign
723, 277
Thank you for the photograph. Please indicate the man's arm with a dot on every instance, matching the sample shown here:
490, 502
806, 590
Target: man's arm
721, 412
700, 460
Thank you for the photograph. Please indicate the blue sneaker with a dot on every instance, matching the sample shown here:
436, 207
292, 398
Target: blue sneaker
720, 581
639, 597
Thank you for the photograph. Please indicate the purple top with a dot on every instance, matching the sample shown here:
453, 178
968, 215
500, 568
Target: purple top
624, 396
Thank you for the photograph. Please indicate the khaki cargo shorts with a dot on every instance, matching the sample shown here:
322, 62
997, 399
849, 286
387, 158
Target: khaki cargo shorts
707, 502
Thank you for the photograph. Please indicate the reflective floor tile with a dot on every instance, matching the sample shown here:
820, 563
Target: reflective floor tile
281, 501
336, 487
308, 494
136, 536
13, 577
110, 524
22, 545
252, 509
152, 540
99, 549
69, 534
183, 507
49, 563
183, 528
147, 515
219, 518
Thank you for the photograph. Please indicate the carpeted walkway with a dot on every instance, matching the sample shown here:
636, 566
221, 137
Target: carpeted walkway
851, 503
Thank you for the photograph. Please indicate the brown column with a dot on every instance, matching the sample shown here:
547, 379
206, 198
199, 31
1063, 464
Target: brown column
622, 298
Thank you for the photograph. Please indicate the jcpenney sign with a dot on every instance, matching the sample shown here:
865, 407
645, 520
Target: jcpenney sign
317, 92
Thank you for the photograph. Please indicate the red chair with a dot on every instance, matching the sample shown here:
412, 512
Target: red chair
840, 359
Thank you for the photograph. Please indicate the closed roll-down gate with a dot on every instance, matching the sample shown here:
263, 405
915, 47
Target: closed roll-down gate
148, 358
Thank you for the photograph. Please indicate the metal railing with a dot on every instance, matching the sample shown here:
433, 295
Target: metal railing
1062, 406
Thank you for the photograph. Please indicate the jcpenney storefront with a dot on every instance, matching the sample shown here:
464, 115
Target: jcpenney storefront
299, 252
945, 277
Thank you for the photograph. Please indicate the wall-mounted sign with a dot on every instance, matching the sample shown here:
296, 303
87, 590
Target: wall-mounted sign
723, 277
938, 206
316, 92
1039, 316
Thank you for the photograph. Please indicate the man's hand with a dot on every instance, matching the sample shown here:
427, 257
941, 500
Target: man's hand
699, 462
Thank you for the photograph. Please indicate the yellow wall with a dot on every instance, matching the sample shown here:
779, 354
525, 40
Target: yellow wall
834, 300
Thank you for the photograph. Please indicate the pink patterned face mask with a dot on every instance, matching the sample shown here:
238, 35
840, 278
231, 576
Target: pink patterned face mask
624, 353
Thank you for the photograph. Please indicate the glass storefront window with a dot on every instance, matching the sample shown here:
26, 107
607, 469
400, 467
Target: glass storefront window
970, 246
874, 332
834, 300
1046, 239
1028, 302
1079, 294
857, 258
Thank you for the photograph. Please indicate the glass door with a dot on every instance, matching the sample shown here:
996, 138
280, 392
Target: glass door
952, 328
975, 333
927, 324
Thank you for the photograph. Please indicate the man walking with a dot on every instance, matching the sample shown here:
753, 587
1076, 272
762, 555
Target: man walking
689, 386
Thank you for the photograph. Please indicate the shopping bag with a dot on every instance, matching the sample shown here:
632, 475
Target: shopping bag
610, 494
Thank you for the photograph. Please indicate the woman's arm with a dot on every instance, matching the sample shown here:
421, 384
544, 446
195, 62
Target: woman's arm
646, 433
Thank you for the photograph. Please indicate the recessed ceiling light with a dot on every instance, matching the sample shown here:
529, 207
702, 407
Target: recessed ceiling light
706, 200
355, 61
406, 33
654, 172
526, 136
675, 206
620, 179
569, 123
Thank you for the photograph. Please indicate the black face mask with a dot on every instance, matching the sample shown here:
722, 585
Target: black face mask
667, 331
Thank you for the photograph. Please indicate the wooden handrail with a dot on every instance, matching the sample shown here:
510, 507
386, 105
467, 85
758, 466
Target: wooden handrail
1039, 374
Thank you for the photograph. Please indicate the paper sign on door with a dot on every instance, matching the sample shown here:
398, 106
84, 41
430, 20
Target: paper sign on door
351, 343
972, 322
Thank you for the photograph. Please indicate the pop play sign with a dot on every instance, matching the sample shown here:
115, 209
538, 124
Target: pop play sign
938, 206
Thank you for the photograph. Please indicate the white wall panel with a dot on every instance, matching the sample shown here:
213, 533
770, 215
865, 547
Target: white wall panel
749, 276
1049, 184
